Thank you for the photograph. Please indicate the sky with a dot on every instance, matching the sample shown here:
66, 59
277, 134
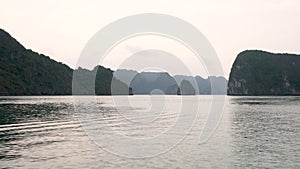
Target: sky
61, 29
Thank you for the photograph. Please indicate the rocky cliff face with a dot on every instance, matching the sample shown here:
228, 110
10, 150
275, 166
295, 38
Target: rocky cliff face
186, 88
263, 73
25, 72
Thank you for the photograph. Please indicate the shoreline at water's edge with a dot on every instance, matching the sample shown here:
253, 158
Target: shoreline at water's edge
153, 95
265, 95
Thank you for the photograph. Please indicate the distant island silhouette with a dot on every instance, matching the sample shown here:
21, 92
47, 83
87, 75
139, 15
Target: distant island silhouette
147, 82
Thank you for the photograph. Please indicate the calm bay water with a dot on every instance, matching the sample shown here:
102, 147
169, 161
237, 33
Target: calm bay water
254, 132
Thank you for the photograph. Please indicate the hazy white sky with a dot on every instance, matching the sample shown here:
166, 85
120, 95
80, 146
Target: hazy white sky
60, 29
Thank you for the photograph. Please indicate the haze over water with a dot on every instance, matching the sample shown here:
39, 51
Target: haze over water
254, 132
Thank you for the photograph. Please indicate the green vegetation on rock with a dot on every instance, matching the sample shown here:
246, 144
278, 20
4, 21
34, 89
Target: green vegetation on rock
262, 73
25, 72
